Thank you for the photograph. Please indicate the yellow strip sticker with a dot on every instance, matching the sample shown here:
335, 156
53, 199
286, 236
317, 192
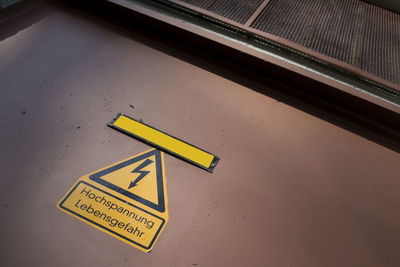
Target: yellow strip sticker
165, 142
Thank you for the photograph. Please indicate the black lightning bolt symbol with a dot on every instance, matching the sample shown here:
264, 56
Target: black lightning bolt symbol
142, 173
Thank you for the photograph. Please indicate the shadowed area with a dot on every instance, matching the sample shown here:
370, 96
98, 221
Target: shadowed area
290, 189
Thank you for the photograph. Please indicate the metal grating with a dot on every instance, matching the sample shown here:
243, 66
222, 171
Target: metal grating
352, 31
236, 10
205, 4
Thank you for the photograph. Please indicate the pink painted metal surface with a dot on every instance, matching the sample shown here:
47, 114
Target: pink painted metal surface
290, 189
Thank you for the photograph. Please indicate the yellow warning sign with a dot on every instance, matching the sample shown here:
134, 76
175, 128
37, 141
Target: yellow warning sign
127, 199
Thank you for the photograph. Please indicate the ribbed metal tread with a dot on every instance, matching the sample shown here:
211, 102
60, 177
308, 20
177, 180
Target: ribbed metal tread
352, 31
236, 10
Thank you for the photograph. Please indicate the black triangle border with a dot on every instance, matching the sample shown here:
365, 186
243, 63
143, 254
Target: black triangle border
160, 181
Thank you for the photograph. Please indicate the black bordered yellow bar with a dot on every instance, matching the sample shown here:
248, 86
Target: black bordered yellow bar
164, 141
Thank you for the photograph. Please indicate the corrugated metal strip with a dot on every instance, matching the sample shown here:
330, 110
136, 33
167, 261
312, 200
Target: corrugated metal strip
236, 10
202, 4
352, 31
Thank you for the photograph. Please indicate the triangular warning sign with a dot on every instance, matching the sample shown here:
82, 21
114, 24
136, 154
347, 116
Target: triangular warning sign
139, 178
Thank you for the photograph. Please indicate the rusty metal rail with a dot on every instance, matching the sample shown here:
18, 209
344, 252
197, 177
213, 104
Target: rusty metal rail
350, 100
337, 33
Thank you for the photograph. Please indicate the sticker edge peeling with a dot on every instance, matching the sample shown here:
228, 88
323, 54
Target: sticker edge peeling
210, 168
107, 230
